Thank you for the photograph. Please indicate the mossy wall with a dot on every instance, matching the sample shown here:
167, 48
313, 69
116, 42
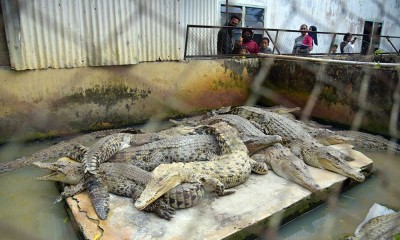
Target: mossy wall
54, 102
341, 85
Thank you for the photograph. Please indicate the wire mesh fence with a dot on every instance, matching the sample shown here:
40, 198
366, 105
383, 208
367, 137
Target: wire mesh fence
201, 42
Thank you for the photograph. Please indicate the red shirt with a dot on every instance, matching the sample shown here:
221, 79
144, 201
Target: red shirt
252, 46
307, 41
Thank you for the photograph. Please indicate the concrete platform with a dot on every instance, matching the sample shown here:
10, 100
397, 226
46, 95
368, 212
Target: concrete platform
263, 201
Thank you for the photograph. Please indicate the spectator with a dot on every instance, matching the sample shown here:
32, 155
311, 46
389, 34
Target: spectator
307, 44
313, 34
264, 46
243, 50
248, 42
349, 48
347, 41
238, 45
334, 48
225, 36
298, 41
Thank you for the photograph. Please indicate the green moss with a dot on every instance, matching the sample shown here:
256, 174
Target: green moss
103, 95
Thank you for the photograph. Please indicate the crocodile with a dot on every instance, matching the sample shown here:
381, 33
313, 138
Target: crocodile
72, 146
230, 169
60, 149
201, 147
285, 164
125, 180
252, 136
101, 152
381, 227
370, 141
301, 143
326, 136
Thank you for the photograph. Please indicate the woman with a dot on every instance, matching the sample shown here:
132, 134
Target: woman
310, 38
251, 46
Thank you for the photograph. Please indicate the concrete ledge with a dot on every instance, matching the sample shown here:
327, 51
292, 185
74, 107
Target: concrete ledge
261, 202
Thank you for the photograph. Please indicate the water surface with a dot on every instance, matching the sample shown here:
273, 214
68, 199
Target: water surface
340, 217
26, 207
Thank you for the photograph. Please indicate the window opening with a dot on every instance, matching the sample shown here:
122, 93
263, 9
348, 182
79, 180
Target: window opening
251, 16
371, 42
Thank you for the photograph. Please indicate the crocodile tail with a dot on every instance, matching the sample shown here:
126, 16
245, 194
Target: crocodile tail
184, 195
98, 194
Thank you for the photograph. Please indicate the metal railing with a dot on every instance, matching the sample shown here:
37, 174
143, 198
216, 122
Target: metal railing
201, 42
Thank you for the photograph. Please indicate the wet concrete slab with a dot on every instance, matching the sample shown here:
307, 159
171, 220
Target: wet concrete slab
263, 201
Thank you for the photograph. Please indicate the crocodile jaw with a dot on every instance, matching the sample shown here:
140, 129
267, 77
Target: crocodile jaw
64, 170
298, 172
342, 168
164, 178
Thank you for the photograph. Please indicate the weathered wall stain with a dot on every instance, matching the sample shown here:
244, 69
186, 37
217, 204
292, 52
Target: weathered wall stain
102, 95
61, 101
339, 100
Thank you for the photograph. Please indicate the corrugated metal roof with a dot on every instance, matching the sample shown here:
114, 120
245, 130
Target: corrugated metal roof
66, 34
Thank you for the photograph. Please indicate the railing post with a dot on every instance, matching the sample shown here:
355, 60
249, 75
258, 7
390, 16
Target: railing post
273, 42
186, 41
392, 45
276, 39
332, 42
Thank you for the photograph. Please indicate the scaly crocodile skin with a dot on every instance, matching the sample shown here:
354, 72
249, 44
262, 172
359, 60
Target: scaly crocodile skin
125, 180
370, 141
60, 149
248, 133
225, 171
285, 164
180, 149
301, 142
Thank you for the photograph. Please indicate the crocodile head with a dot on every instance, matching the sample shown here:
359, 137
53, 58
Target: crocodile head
298, 172
332, 159
163, 178
64, 170
328, 137
256, 143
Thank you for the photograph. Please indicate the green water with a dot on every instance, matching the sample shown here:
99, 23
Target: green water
26, 207
340, 216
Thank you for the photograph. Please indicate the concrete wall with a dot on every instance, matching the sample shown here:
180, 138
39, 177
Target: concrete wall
60, 101
360, 95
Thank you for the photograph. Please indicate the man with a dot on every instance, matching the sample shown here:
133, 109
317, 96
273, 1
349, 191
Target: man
225, 36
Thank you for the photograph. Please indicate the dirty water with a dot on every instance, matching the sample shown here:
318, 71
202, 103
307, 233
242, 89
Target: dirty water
340, 217
27, 211
26, 207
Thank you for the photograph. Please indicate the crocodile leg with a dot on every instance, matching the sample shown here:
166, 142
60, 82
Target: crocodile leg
214, 185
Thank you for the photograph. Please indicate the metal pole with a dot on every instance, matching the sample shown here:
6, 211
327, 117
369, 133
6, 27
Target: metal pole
226, 12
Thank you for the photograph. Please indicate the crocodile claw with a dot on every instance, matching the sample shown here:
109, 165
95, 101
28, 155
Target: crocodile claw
165, 211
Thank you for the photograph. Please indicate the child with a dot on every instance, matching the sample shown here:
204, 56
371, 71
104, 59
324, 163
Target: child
243, 50
334, 48
264, 46
238, 45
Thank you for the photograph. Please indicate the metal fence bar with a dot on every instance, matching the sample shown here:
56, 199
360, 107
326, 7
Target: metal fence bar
269, 36
200, 41
388, 38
